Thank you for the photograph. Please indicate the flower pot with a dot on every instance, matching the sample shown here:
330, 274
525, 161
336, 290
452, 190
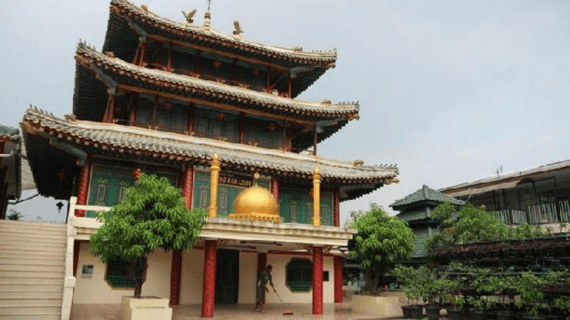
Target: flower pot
529, 317
432, 311
478, 315
417, 311
505, 315
454, 314
407, 311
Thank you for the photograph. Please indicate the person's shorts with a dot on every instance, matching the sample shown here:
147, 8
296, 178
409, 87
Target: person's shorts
259, 293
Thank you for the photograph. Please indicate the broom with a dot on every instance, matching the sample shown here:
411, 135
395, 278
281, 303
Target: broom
286, 312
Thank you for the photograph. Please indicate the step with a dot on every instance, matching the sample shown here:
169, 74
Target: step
21, 288
33, 255
30, 262
30, 317
18, 234
32, 274
34, 268
26, 240
30, 295
30, 303
33, 245
31, 281
30, 311
23, 247
31, 224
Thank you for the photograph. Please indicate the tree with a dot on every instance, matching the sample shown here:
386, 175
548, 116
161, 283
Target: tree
381, 242
14, 215
474, 224
152, 215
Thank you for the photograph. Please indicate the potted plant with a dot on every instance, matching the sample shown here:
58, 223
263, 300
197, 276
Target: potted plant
531, 299
451, 296
152, 215
563, 302
408, 278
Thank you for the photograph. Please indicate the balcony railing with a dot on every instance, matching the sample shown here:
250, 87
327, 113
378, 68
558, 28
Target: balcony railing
542, 213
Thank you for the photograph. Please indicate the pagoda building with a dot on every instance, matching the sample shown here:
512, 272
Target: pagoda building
217, 115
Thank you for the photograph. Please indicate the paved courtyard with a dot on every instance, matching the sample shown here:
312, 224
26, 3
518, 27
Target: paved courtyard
230, 312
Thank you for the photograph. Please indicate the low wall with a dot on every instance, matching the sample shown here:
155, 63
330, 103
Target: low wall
386, 306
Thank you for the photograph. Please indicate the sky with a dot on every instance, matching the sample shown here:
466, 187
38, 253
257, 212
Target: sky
450, 91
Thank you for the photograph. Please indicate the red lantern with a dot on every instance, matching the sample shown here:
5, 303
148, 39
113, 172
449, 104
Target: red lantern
136, 174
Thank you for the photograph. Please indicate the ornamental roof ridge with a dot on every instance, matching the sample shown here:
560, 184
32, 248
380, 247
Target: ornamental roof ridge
350, 109
171, 143
320, 56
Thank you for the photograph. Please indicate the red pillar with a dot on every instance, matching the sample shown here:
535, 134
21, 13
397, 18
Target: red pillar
261, 265
317, 280
175, 276
83, 188
275, 188
261, 262
187, 186
337, 279
209, 289
176, 267
336, 208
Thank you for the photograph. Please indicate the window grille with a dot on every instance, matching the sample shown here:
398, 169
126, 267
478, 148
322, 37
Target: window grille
299, 276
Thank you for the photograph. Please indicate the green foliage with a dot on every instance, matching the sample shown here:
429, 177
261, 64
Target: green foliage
152, 215
530, 297
563, 302
474, 224
381, 242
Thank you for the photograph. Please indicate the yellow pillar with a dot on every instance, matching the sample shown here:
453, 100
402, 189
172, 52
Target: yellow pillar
214, 174
317, 198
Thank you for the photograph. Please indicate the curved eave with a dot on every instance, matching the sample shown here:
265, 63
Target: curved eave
122, 39
120, 72
116, 140
191, 33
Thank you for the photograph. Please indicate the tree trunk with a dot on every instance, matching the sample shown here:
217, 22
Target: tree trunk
134, 269
375, 281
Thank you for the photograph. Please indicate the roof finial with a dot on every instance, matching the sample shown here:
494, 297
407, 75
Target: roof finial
207, 16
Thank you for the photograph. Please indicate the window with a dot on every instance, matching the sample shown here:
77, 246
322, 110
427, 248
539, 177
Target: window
299, 277
123, 190
101, 193
118, 273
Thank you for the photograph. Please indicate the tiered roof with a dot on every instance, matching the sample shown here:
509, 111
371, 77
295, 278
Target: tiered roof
423, 196
116, 139
127, 22
94, 66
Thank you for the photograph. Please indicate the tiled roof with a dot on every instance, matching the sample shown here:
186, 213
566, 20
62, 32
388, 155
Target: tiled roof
211, 38
425, 194
126, 73
116, 138
505, 180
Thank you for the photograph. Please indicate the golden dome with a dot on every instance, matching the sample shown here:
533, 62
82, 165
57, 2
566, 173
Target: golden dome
256, 204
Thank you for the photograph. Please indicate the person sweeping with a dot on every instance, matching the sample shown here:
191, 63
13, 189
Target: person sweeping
261, 288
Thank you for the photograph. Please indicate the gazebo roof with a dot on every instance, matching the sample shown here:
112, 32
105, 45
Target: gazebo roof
425, 195
127, 22
133, 142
